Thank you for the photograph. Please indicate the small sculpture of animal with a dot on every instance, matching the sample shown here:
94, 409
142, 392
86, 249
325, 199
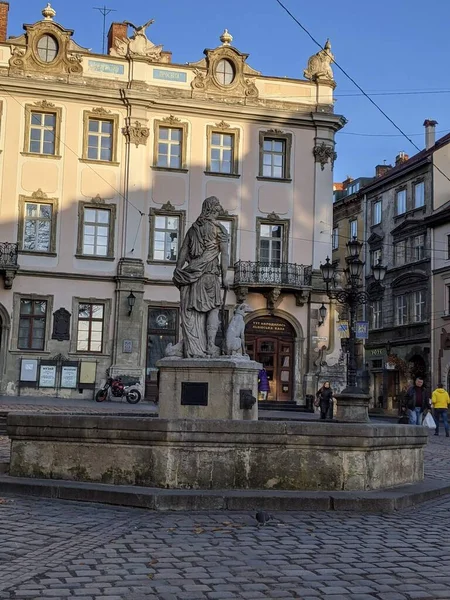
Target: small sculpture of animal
235, 338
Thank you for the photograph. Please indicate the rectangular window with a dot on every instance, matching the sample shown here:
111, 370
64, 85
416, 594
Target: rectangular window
376, 314
376, 213
42, 133
419, 195
221, 158
165, 237
271, 244
401, 202
418, 247
90, 327
96, 226
170, 140
401, 310
274, 158
353, 229
37, 227
419, 306
32, 324
228, 225
447, 312
376, 257
100, 139
335, 238
400, 253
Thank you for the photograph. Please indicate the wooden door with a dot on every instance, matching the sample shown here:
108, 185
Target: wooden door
266, 354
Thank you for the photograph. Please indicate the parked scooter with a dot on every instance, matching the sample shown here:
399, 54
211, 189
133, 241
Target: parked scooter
114, 386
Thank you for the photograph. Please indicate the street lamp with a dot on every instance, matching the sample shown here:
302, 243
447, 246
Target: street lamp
322, 314
351, 296
131, 299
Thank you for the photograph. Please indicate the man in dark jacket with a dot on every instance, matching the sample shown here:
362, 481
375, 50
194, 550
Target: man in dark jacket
417, 402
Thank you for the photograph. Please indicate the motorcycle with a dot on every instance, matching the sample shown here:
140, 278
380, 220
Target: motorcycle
115, 387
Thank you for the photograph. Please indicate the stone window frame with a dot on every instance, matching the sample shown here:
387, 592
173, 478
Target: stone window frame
275, 134
37, 199
49, 110
100, 115
17, 297
112, 229
171, 123
286, 223
164, 212
233, 219
236, 133
76, 301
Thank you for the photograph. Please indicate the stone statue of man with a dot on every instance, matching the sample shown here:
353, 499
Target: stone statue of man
200, 272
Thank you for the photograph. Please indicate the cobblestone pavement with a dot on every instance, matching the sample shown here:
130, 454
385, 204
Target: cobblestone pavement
56, 549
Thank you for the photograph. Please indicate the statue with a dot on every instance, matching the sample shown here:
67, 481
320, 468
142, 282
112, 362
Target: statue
319, 65
200, 270
138, 44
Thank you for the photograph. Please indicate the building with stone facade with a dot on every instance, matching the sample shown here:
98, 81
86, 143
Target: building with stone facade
397, 207
105, 161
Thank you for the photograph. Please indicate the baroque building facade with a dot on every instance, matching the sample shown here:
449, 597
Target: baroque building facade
105, 161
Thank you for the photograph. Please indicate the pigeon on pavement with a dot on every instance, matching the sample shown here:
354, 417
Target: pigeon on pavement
262, 518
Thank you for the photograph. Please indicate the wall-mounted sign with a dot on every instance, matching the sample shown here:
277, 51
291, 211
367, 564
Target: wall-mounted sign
362, 330
342, 328
376, 351
99, 66
69, 376
28, 369
127, 346
268, 325
87, 372
47, 376
166, 75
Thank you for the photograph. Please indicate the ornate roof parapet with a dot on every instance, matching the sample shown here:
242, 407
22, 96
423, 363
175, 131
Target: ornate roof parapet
138, 44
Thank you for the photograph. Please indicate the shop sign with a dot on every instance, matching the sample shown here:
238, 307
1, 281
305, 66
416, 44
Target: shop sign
267, 326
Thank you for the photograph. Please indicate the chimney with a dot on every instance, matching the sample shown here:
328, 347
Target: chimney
381, 170
116, 31
430, 133
4, 8
401, 158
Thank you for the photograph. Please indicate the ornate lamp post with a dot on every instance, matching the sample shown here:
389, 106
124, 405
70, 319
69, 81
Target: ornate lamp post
352, 402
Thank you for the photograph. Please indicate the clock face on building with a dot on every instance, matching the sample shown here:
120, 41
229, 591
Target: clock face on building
162, 320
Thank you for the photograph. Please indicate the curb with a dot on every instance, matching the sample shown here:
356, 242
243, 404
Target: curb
384, 501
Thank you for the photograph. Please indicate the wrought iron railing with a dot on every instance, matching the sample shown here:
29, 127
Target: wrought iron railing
272, 273
8, 254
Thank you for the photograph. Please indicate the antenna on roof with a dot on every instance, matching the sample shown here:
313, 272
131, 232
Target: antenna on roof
104, 10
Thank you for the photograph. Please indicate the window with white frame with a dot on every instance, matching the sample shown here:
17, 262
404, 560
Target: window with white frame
401, 310
271, 244
165, 237
42, 133
419, 306
400, 204
376, 212
90, 327
400, 253
353, 229
335, 238
96, 231
100, 139
418, 247
221, 157
228, 225
37, 227
377, 314
274, 158
376, 257
169, 147
419, 194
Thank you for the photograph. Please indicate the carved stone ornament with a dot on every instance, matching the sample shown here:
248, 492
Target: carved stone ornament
222, 125
39, 194
171, 120
25, 55
8, 277
168, 206
302, 297
273, 216
319, 65
44, 104
136, 134
61, 325
100, 110
98, 200
324, 153
241, 294
275, 131
273, 298
138, 44
206, 82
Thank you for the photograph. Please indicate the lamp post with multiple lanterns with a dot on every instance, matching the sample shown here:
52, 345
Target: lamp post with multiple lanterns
351, 295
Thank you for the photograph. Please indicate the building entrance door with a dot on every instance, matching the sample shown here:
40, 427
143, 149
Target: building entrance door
270, 341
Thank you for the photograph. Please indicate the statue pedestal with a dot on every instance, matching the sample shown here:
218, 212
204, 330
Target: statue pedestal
215, 388
352, 406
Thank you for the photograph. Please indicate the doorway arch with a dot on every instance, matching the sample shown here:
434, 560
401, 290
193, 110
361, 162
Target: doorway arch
274, 341
5, 326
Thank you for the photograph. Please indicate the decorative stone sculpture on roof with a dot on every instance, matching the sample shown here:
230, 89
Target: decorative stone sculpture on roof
319, 65
138, 44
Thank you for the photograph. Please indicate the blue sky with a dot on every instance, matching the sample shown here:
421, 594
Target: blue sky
385, 46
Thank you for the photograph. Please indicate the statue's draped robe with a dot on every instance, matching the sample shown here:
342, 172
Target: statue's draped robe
199, 283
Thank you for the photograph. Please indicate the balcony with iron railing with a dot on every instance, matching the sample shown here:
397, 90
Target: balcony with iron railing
271, 279
9, 252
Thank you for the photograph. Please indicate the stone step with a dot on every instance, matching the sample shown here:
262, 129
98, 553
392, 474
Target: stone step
282, 405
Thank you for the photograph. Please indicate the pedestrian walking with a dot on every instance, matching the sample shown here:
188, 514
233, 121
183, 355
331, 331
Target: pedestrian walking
417, 402
324, 399
440, 400
263, 384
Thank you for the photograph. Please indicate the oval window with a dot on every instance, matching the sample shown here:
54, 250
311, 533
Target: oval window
47, 48
225, 72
